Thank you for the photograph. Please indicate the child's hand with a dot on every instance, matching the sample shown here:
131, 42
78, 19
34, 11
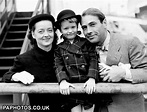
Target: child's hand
90, 86
64, 87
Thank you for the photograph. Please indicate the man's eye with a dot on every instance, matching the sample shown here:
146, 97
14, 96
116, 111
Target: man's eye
92, 24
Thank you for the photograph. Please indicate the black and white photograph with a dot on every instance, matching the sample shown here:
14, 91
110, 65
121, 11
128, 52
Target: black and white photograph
73, 55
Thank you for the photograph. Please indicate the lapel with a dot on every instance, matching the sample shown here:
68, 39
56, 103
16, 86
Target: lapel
75, 47
113, 55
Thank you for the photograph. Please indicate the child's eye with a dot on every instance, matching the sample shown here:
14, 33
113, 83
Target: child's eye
73, 27
65, 28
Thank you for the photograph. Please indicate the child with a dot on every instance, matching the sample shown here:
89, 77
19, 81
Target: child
75, 62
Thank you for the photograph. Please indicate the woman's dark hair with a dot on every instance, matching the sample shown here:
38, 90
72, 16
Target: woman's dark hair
32, 40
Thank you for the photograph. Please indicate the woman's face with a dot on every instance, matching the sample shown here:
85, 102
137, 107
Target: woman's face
43, 33
69, 29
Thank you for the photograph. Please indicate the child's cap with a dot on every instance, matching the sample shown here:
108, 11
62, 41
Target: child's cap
66, 14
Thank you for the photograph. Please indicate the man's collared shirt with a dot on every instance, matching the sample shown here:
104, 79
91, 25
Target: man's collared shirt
103, 55
104, 49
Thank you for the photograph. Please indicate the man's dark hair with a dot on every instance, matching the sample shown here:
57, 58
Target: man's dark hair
94, 12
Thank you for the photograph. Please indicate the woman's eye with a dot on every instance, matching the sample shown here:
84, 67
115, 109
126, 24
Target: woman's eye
40, 31
50, 30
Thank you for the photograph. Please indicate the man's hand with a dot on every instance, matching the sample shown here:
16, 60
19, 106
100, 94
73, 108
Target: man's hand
103, 69
64, 87
24, 77
89, 86
115, 74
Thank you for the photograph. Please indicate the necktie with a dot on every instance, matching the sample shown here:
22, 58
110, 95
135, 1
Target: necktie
101, 48
102, 53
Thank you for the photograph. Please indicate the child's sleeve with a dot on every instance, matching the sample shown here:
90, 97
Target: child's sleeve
59, 66
93, 64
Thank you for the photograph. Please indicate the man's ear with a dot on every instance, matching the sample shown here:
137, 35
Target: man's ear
104, 23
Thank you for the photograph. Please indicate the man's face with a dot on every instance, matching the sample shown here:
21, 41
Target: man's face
93, 29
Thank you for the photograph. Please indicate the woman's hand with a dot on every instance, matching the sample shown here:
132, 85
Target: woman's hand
24, 77
64, 87
90, 86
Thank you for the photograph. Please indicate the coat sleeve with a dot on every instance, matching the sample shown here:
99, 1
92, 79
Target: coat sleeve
17, 67
138, 60
59, 66
93, 63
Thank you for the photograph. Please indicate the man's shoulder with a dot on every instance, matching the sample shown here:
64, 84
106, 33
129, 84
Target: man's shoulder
125, 40
124, 37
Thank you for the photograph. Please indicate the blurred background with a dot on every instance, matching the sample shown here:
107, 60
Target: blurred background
122, 12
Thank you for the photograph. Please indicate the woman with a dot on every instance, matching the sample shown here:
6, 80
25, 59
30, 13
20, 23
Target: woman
36, 65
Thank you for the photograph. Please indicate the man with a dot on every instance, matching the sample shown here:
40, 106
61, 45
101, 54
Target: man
125, 59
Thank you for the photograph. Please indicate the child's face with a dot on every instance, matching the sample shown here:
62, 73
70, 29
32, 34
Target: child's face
69, 29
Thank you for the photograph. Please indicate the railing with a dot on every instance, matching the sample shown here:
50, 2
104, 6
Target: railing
19, 88
54, 88
7, 8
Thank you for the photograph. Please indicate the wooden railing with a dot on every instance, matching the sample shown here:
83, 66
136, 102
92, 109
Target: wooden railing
54, 88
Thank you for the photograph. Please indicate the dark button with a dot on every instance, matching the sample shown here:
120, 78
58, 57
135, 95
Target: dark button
69, 67
77, 51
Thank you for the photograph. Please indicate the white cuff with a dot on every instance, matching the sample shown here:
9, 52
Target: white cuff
127, 67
